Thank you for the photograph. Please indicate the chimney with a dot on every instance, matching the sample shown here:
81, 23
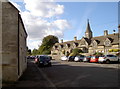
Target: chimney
61, 40
105, 32
75, 38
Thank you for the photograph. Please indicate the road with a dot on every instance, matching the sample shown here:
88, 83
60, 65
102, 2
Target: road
70, 74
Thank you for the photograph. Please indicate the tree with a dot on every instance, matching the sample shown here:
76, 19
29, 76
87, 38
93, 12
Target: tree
114, 50
29, 52
47, 44
98, 54
34, 52
76, 52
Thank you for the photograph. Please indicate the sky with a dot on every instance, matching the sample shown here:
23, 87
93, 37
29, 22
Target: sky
66, 19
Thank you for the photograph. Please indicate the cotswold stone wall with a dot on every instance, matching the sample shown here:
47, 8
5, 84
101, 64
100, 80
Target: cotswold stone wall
22, 48
9, 42
0, 44
13, 43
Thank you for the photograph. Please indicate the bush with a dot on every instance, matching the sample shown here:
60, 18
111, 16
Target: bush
114, 50
110, 50
98, 54
76, 50
46, 52
54, 53
74, 54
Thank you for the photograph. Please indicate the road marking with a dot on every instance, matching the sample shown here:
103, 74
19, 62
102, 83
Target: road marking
45, 76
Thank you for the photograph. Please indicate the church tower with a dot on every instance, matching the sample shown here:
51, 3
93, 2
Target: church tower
88, 33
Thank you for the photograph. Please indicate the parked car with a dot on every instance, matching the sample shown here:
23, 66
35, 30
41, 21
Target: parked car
64, 58
94, 59
71, 58
108, 58
87, 59
43, 60
79, 58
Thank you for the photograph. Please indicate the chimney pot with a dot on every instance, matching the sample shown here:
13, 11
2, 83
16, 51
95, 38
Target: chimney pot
61, 40
75, 38
105, 32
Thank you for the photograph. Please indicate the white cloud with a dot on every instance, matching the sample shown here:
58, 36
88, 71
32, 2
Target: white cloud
39, 22
44, 9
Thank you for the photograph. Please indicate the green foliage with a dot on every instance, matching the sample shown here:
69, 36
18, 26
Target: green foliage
111, 50
76, 52
98, 54
54, 53
114, 50
35, 52
47, 44
29, 52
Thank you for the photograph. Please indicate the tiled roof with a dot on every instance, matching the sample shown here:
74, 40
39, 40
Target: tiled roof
99, 39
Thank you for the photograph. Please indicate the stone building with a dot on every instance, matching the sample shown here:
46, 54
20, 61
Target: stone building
12, 43
88, 44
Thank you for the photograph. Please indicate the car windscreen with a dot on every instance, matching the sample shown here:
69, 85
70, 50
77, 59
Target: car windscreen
42, 58
111, 56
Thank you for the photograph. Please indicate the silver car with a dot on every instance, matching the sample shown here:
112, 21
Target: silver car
108, 58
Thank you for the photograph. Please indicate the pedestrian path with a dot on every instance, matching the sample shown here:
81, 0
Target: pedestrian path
32, 78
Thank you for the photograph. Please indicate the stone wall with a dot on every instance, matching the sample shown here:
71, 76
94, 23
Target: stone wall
22, 48
0, 44
9, 42
13, 43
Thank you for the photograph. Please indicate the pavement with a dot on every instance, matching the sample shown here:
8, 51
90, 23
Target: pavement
32, 78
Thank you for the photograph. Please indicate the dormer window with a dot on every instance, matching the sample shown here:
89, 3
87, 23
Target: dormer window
67, 45
75, 44
107, 42
61, 46
83, 43
94, 44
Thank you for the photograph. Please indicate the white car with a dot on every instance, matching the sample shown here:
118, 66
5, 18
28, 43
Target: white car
79, 58
64, 58
108, 58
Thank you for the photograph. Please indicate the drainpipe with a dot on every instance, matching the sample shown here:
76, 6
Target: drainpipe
18, 47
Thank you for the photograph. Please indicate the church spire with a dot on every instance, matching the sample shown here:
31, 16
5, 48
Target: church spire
88, 33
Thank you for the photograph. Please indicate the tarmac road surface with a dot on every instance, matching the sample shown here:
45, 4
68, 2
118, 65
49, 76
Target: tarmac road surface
70, 74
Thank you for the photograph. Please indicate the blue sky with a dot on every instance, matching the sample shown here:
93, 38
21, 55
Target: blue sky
102, 16
66, 19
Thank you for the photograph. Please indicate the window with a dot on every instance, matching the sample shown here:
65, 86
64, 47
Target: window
107, 42
111, 56
94, 43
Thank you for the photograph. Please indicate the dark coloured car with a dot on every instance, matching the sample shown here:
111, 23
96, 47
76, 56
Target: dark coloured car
43, 60
71, 58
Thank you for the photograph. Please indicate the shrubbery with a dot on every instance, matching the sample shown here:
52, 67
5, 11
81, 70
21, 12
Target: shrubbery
76, 52
98, 54
114, 50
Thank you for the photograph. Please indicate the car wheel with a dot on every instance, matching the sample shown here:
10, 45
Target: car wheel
107, 61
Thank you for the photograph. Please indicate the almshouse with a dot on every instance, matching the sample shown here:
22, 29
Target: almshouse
88, 44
